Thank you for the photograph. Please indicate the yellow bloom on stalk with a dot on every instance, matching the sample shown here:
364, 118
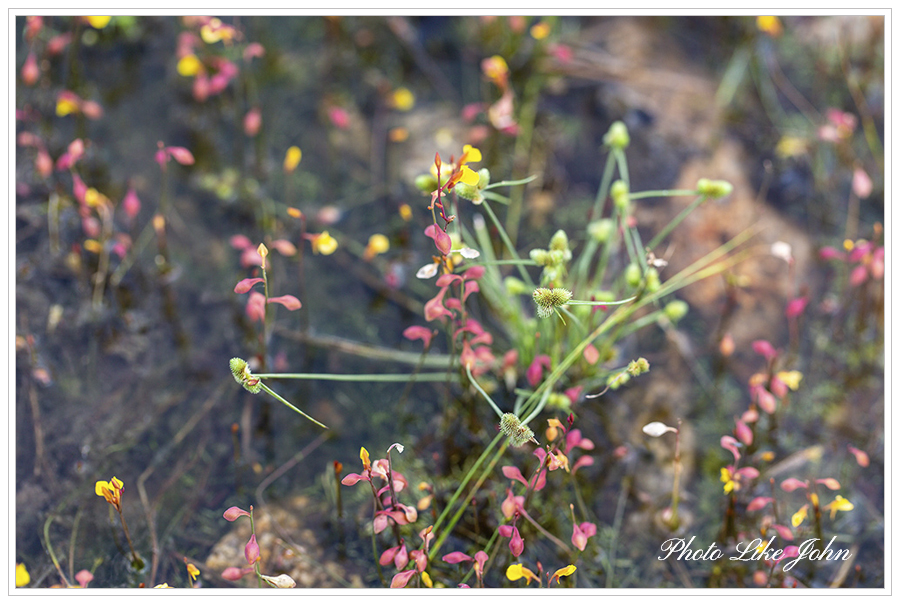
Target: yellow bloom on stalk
193, 571
790, 378
65, 106
563, 572
364, 457
790, 146
839, 504
728, 478
402, 99
263, 251
541, 30
518, 571
378, 244
94, 198
770, 25
426, 579
798, 518
324, 244
22, 576
93, 246
111, 491
215, 31
495, 68
98, 22
189, 65
292, 159
406, 212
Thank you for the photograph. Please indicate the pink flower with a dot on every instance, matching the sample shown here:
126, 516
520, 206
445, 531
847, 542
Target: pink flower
765, 349
862, 184
581, 533
513, 473
796, 307
730, 444
516, 543
758, 503
535, 370
246, 285
339, 117
179, 154
84, 577
456, 558
512, 504
251, 550
131, 204
233, 513
440, 237
434, 308
252, 122
862, 458
792, 484
743, 432
417, 332
234, 574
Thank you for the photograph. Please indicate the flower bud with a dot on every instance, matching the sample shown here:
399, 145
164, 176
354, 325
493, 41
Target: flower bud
619, 193
633, 275
657, 429
675, 310
601, 230
617, 136
281, 581
559, 241
714, 189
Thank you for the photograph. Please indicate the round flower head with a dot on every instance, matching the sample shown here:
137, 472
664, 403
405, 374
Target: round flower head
518, 433
548, 300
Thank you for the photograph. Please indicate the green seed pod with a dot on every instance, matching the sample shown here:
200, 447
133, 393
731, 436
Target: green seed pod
636, 368
620, 379
514, 287
633, 275
714, 189
601, 230
617, 136
484, 178
241, 372
557, 257
558, 400
513, 428
652, 277
426, 183
559, 241
540, 257
675, 310
469, 192
619, 193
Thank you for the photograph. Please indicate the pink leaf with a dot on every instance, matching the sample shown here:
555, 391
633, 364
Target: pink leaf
388, 555
401, 579
830, 253
456, 558
417, 332
758, 503
240, 242
783, 531
475, 272
288, 301
792, 484
796, 307
743, 432
447, 279
862, 458
246, 285
516, 543
858, 275
730, 444
233, 513
351, 479
181, 155
513, 473
434, 308
284, 247
256, 307
766, 400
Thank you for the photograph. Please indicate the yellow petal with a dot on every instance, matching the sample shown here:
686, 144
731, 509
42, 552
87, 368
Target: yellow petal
364, 457
798, 518
101, 487
116, 483
540, 30
426, 579
325, 244
189, 65
790, 378
514, 572
469, 176
22, 576
292, 159
563, 572
378, 244
471, 153
99, 22
769, 24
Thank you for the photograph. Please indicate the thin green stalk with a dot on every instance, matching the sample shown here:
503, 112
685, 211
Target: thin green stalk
510, 183
487, 397
277, 397
508, 243
676, 221
662, 193
358, 377
471, 493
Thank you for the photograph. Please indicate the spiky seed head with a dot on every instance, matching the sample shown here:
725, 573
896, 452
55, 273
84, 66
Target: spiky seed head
547, 300
517, 432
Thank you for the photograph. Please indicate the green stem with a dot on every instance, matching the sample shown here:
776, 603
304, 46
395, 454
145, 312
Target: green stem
277, 397
483, 393
359, 377
508, 243
676, 221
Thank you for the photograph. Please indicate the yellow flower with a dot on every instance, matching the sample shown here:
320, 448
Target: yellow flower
98, 22
790, 146
292, 159
402, 99
398, 134
770, 25
469, 176
189, 65
517, 571
94, 198
495, 68
540, 30
111, 491
728, 478
798, 518
364, 457
22, 576
839, 504
378, 244
294, 213
470, 153
65, 106
427, 580
563, 572
193, 571
790, 378
215, 30
93, 246
162, 586
324, 244
406, 212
